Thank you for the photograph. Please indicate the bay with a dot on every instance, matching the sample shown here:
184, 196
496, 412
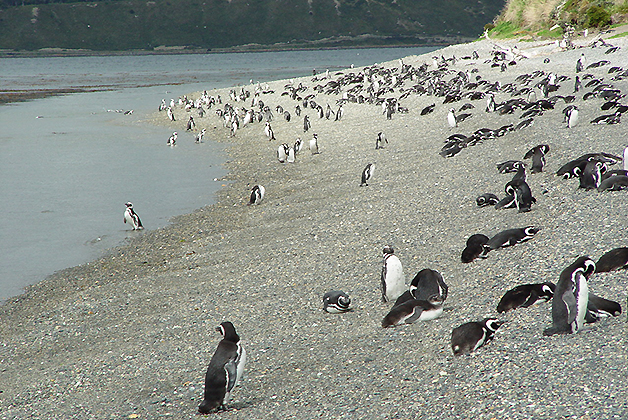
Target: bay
68, 163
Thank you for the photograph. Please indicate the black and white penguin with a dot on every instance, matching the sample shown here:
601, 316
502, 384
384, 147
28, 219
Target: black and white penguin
571, 298
572, 116
268, 130
580, 63
599, 307
226, 368
474, 248
509, 237
428, 109
428, 283
525, 295
132, 218
613, 183
381, 139
336, 302
298, 144
170, 113
306, 123
486, 199
282, 153
257, 194
191, 124
414, 310
199, 137
290, 155
367, 174
509, 166
473, 335
591, 176
172, 140
393, 281
521, 193
616, 259
537, 153
451, 118
314, 144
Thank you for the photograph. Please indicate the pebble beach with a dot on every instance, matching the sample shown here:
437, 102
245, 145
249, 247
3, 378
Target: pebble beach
130, 335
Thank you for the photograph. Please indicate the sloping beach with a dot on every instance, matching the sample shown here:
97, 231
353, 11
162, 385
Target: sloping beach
130, 335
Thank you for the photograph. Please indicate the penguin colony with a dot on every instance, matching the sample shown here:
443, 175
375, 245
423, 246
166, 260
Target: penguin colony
572, 303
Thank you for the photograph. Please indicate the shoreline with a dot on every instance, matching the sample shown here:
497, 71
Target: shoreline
131, 333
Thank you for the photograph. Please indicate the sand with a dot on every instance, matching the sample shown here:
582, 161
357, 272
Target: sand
130, 335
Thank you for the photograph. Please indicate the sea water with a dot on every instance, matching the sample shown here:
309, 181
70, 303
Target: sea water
69, 163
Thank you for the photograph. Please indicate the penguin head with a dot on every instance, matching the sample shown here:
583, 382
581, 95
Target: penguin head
129, 205
436, 300
531, 230
547, 290
492, 324
388, 250
228, 331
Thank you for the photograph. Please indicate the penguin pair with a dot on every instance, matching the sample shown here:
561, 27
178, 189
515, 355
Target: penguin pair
518, 195
132, 218
257, 194
422, 302
575, 168
336, 302
225, 369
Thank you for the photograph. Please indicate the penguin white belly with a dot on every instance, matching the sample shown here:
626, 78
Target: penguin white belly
582, 302
431, 314
395, 280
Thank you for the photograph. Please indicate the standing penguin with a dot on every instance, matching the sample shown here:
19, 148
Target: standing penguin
451, 118
393, 281
268, 130
367, 174
225, 369
132, 218
571, 298
473, 335
537, 153
191, 124
381, 139
572, 117
282, 153
257, 194
172, 140
314, 144
306, 123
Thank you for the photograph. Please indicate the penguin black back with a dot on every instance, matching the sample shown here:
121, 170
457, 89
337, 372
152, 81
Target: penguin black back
613, 260
428, 283
473, 335
525, 295
474, 248
224, 369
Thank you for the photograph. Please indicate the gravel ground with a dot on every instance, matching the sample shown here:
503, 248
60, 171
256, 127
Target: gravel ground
130, 335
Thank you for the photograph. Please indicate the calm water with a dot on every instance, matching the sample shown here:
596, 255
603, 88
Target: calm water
68, 164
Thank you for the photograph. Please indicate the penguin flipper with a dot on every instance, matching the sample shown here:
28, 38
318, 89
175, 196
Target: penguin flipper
231, 369
414, 315
570, 304
533, 297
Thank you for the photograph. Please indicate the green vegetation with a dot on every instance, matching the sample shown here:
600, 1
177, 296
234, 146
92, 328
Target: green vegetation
111, 25
549, 18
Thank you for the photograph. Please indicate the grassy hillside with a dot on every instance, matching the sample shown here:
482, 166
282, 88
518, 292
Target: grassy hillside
210, 24
540, 16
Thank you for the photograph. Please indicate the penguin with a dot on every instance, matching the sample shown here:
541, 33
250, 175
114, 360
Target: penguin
572, 117
490, 103
537, 153
298, 144
172, 140
577, 84
599, 307
525, 295
199, 137
191, 124
613, 183
291, 158
509, 166
414, 310
591, 176
381, 139
393, 281
367, 174
428, 109
616, 259
336, 302
257, 194
428, 283
580, 63
470, 336
339, 113
314, 144
486, 199
268, 130
132, 218
225, 369
282, 153
474, 248
451, 118
306, 123
170, 114
521, 193
571, 297
509, 237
